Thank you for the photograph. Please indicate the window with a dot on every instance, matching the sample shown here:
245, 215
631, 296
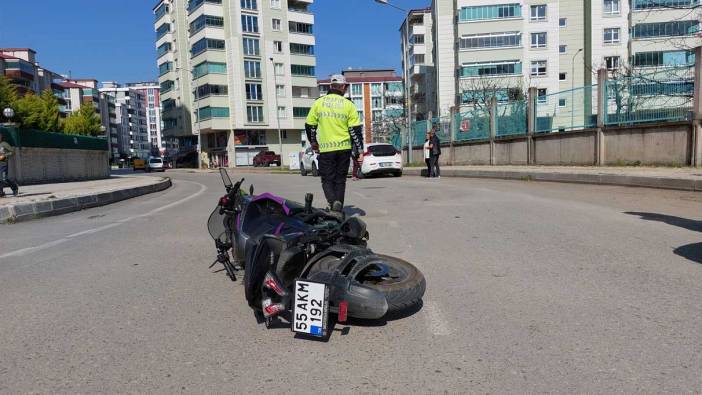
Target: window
668, 58
356, 89
377, 102
205, 68
279, 69
275, 3
491, 40
562, 76
254, 114
666, 29
647, 4
510, 67
162, 10
207, 44
301, 91
611, 7
282, 113
254, 92
280, 90
165, 68
251, 47
418, 59
299, 27
538, 40
249, 24
357, 102
167, 86
300, 112
297, 69
213, 112
252, 69
612, 62
611, 35
163, 29
562, 48
541, 96
163, 49
194, 4
538, 12
277, 46
168, 104
538, 68
301, 49
275, 24
249, 5
562, 22
562, 102
478, 13
210, 90
205, 20
376, 89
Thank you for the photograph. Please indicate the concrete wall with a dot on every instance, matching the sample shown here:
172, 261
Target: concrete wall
668, 143
565, 148
47, 165
652, 145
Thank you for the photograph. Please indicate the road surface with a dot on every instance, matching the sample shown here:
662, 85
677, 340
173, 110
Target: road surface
531, 287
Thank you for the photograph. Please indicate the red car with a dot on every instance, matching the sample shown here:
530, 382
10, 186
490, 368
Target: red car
266, 158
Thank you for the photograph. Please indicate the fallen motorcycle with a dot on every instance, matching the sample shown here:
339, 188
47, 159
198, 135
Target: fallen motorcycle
304, 264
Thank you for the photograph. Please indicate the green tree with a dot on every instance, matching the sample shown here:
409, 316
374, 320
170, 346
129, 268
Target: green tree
49, 118
28, 111
84, 122
8, 93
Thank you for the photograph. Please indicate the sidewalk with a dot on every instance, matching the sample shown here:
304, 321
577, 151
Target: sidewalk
681, 178
35, 201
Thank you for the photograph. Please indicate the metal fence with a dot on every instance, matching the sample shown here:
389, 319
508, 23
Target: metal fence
472, 125
662, 95
566, 110
511, 119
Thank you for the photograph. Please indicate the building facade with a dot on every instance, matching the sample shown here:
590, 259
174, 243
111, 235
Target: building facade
378, 95
244, 69
417, 46
131, 120
551, 45
20, 66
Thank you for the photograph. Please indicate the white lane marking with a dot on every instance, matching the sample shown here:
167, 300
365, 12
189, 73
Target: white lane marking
26, 251
437, 323
359, 194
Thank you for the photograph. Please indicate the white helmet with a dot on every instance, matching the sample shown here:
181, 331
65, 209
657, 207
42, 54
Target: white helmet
338, 79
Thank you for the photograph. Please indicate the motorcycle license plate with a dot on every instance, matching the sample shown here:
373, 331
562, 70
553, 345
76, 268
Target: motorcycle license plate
310, 309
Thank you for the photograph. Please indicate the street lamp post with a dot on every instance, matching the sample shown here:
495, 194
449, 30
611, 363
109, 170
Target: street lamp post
572, 89
8, 113
277, 113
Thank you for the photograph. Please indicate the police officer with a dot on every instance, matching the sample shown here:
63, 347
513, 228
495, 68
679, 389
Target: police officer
333, 128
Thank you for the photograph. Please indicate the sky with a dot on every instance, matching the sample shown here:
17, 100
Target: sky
113, 40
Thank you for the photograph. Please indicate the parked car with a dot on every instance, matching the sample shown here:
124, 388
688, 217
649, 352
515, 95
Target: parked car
155, 164
308, 163
138, 164
266, 158
381, 158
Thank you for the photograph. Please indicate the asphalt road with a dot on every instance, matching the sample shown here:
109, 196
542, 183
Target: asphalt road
531, 287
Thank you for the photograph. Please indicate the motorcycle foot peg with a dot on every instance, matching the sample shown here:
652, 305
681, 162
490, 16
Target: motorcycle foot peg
271, 309
270, 281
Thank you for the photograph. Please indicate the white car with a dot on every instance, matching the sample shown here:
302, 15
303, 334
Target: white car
308, 163
155, 164
381, 158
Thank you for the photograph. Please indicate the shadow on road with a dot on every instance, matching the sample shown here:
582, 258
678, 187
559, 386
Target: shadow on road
692, 251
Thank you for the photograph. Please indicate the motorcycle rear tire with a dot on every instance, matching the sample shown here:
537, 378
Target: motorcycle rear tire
402, 295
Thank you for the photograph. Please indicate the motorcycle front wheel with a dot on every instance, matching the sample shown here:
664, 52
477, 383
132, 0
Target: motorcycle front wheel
403, 285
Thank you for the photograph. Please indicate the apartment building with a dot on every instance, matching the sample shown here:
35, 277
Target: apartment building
244, 69
417, 44
552, 45
21, 67
378, 95
130, 121
150, 91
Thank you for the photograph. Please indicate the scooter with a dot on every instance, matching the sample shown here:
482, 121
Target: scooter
305, 265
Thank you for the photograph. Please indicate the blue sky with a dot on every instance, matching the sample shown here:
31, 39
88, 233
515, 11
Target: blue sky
113, 40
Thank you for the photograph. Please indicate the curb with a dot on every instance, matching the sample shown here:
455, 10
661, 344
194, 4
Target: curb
682, 184
27, 211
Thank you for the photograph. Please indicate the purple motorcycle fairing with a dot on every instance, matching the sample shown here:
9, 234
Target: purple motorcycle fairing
277, 199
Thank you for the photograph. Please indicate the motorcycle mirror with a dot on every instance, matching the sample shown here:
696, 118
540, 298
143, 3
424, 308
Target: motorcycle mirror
251, 190
225, 177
